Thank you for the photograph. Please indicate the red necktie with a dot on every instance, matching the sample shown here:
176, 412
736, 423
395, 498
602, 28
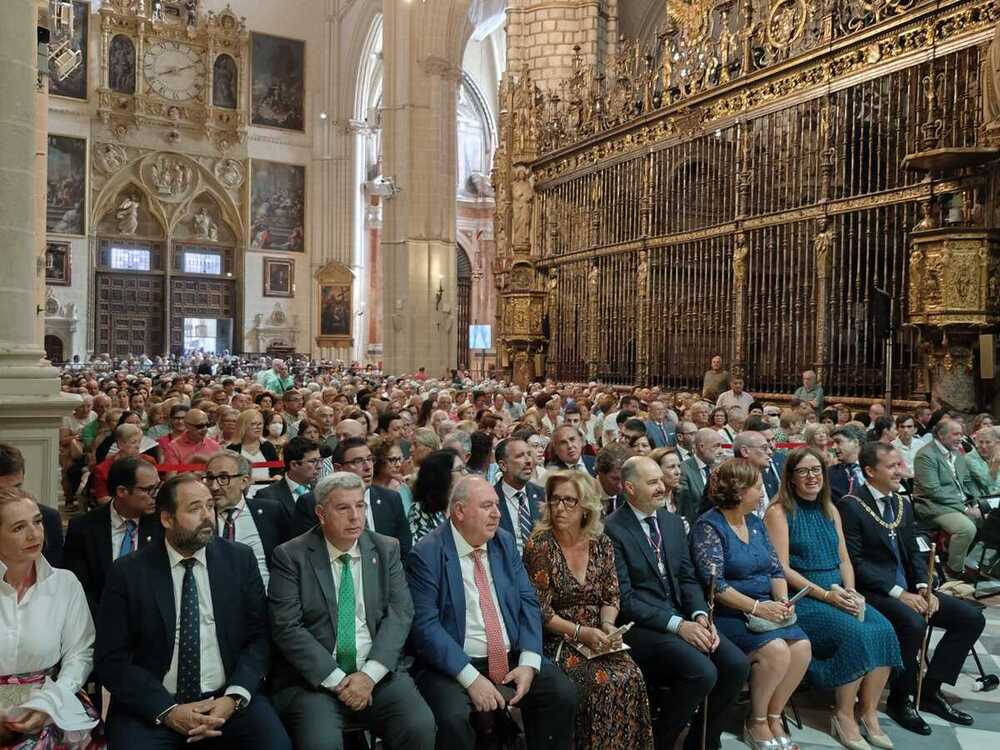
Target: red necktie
496, 653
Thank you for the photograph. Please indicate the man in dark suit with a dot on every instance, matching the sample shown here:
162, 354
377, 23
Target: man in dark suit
567, 450
845, 476
340, 614
695, 470
463, 575
95, 539
891, 572
182, 639
301, 457
671, 641
12, 475
520, 500
259, 523
384, 509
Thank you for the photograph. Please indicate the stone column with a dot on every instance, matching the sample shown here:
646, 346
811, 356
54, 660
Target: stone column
31, 404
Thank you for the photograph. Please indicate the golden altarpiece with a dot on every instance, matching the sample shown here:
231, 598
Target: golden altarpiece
749, 185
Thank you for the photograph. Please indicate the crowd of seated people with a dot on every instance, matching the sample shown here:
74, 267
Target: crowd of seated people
282, 560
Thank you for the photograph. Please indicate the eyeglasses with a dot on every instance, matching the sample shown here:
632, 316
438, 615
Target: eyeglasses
459, 470
313, 461
222, 480
568, 502
356, 462
394, 460
199, 426
149, 489
806, 471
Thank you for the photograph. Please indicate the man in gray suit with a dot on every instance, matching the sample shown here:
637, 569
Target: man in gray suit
340, 613
695, 471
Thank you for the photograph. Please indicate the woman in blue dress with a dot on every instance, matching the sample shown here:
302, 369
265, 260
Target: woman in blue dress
730, 542
853, 656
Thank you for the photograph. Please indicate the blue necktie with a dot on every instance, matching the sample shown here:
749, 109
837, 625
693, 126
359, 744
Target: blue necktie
128, 541
889, 516
189, 642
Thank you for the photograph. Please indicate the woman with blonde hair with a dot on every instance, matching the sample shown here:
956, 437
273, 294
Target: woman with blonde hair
571, 564
852, 656
817, 436
669, 461
251, 445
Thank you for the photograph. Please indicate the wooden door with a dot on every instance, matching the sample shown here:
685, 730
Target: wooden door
129, 314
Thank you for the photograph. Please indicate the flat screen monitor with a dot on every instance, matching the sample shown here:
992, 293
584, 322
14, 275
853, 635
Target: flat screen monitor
480, 337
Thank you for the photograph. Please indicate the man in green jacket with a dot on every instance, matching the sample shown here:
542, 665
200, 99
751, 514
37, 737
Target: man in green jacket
944, 492
276, 380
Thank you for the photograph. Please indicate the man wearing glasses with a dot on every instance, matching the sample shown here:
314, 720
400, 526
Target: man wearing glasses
383, 507
95, 539
302, 462
258, 523
194, 440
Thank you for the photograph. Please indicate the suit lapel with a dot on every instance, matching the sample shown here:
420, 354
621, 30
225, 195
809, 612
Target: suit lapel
319, 558
505, 520
536, 496
163, 592
642, 542
865, 496
221, 588
494, 553
375, 498
371, 581
453, 572
103, 538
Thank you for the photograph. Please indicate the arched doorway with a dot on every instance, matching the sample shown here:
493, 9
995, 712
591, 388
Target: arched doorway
464, 276
54, 349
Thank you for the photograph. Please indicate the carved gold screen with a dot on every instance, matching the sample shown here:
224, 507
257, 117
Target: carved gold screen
707, 243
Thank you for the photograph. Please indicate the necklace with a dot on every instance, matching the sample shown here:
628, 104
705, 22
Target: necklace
881, 521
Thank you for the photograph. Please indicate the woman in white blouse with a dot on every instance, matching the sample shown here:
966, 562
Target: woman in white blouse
46, 640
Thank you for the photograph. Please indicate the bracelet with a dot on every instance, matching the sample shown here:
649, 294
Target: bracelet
576, 635
826, 595
754, 610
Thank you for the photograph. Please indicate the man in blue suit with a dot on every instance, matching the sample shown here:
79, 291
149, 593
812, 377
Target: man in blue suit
477, 625
520, 500
567, 445
662, 433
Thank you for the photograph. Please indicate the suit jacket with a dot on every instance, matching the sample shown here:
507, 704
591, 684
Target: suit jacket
271, 522
936, 489
267, 450
137, 617
279, 492
303, 606
52, 548
871, 549
536, 496
691, 491
648, 598
589, 461
88, 548
435, 577
842, 482
772, 479
661, 436
387, 512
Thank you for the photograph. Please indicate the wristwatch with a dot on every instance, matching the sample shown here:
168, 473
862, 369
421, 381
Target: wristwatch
239, 700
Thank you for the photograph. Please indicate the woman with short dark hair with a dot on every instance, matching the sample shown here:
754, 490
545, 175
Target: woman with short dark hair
431, 491
730, 543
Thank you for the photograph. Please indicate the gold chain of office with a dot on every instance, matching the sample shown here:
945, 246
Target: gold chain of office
881, 521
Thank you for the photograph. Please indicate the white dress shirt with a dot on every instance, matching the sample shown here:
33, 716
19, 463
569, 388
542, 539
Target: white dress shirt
369, 518
362, 636
514, 510
880, 500
213, 672
294, 486
674, 624
246, 533
475, 628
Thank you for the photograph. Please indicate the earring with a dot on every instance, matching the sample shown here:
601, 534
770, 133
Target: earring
586, 517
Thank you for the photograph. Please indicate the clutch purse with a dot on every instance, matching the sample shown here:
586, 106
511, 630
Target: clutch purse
757, 624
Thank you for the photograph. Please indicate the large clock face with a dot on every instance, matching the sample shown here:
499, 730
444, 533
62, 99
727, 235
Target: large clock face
174, 71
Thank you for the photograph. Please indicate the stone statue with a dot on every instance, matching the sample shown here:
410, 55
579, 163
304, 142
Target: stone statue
170, 177
204, 227
928, 221
822, 245
991, 84
229, 172
111, 156
522, 191
128, 215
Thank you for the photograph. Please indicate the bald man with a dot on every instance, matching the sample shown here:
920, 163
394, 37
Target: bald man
194, 440
707, 449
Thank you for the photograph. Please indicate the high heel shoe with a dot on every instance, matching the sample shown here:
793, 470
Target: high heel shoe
752, 742
785, 743
877, 740
849, 744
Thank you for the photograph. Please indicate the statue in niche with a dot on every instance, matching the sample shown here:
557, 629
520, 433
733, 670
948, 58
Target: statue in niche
128, 215
822, 245
522, 191
204, 227
991, 84
170, 177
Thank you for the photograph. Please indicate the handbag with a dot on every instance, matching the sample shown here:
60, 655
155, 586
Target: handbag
757, 624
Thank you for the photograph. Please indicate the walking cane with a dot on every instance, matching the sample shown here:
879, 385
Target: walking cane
927, 631
711, 622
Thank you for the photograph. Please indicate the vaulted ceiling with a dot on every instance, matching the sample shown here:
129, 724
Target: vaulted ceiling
638, 19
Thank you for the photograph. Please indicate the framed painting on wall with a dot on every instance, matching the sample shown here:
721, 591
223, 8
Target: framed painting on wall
277, 82
66, 196
336, 286
74, 86
278, 277
57, 260
277, 206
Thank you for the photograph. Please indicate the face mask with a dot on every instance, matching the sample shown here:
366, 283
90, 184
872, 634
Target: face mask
274, 429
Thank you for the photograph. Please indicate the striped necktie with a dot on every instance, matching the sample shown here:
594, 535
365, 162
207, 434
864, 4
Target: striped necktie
523, 518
